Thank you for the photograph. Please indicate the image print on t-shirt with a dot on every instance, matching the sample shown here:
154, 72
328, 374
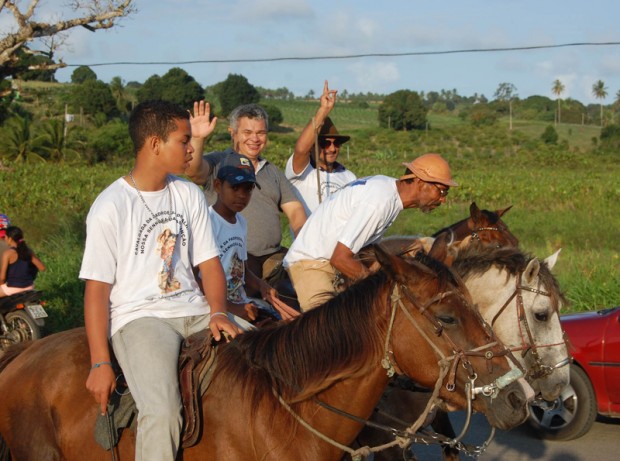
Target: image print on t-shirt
166, 243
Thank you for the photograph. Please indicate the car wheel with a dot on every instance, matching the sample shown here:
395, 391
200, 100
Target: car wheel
569, 416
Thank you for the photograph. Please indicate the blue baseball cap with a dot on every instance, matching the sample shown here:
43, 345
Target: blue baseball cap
236, 169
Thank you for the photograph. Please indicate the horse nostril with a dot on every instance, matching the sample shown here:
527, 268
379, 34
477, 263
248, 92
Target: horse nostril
515, 400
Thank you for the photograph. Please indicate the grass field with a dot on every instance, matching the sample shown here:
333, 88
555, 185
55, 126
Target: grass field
563, 196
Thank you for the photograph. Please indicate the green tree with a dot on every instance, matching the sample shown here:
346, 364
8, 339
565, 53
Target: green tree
506, 92
610, 137
236, 90
18, 140
274, 113
599, 90
94, 97
550, 136
33, 67
176, 85
83, 74
558, 88
117, 88
55, 141
403, 110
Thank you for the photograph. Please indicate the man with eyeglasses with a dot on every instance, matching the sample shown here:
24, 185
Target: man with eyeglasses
301, 168
248, 131
358, 215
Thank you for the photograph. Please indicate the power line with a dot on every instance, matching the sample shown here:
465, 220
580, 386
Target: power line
348, 56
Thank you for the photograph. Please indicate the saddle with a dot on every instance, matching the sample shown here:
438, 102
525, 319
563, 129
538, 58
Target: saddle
196, 365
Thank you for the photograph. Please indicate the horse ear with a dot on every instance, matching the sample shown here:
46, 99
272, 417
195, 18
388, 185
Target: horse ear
551, 260
501, 213
441, 250
394, 265
531, 271
475, 214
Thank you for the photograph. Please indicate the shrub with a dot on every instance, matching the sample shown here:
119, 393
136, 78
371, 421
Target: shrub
549, 136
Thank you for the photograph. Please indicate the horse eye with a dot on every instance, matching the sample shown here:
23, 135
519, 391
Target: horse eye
541, 316
446, 319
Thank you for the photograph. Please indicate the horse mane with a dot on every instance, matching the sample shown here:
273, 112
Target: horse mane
477, 259
301, 358
306, 355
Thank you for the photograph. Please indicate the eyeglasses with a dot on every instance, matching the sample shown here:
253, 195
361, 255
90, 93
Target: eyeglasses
442, 192
325, 143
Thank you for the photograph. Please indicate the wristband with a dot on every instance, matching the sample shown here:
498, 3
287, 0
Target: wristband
98, 364
219, 313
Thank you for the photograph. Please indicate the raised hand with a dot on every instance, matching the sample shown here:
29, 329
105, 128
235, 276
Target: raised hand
200, 121
328, 98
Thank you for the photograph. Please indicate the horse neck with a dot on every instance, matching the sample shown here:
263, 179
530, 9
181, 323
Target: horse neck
458, 230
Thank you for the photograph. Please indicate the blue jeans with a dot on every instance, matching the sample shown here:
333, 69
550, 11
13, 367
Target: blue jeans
147, 350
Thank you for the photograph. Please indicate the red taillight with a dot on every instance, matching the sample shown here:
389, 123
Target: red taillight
20, 306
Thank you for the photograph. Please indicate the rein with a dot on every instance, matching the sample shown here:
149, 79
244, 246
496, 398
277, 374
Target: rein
538, 369
447, 367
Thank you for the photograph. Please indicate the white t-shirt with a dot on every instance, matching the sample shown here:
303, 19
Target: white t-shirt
306, 186
148, 260
231, 240
358, 215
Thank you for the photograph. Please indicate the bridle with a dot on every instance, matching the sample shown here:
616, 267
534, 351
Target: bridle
538, 368
448, 367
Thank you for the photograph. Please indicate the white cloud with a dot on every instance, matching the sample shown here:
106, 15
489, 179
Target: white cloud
375, 76
272, 10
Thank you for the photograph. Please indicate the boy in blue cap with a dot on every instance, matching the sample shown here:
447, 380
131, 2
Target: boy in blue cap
234, 183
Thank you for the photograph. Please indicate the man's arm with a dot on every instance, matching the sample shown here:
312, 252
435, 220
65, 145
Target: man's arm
101, 379
214, 287
199, 169
344, 261
301, 155
296, 215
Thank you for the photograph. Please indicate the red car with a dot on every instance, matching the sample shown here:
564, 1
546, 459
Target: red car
594, 377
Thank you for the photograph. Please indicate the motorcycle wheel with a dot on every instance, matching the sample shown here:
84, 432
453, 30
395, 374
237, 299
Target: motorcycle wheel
22, 327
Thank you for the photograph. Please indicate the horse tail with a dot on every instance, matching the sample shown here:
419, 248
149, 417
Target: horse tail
9, 355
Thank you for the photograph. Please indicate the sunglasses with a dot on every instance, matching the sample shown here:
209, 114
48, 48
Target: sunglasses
442, 192
325, 143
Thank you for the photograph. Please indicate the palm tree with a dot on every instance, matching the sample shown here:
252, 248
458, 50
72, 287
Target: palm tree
558, 88
18, 141
600, 92
507, 92
118, 92
54, 141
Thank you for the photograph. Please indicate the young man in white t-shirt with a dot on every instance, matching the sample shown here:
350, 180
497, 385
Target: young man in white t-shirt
145, 234
234, 182
358, 215
301, 168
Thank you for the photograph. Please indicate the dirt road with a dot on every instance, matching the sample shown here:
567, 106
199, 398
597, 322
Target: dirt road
602, 443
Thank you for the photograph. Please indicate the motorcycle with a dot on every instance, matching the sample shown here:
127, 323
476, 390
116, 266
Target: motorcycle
22, 317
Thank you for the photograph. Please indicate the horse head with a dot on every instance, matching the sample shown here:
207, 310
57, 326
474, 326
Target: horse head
483, 226
519, 297
430, 301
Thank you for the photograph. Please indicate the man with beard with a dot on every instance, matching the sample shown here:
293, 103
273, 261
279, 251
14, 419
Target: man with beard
358, 215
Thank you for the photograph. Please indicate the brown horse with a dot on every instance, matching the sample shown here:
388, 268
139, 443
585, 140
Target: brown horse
519, 297
291, 391
484, 226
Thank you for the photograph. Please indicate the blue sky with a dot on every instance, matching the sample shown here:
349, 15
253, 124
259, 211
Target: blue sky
183, 30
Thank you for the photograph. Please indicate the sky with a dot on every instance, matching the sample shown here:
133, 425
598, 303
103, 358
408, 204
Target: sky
189, 30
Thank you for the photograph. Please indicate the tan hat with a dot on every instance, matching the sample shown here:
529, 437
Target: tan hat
431, 168
328, 130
